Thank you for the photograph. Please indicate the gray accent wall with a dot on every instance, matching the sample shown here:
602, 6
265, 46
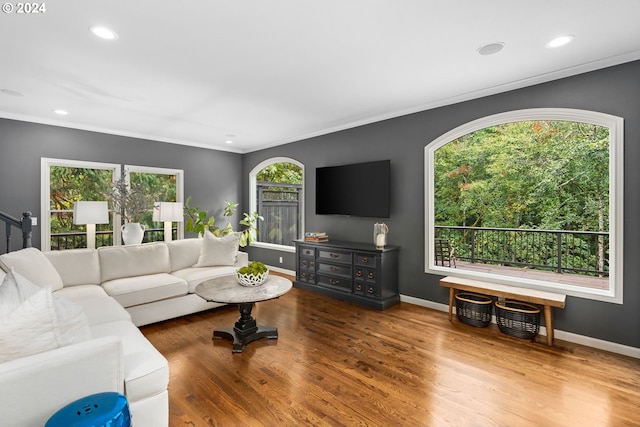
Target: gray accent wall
211, 177
614, 90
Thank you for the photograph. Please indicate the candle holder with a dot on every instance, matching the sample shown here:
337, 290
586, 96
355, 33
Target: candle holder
380, 235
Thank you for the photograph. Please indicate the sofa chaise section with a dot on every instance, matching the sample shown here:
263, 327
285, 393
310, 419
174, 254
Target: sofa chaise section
118, 288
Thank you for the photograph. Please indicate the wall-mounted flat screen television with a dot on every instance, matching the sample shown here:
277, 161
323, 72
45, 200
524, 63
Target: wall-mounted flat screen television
359, 189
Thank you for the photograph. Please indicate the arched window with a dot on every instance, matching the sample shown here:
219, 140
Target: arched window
531, 198
276, 193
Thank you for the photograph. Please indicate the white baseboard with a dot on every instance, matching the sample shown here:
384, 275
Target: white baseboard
282, 270
562, 335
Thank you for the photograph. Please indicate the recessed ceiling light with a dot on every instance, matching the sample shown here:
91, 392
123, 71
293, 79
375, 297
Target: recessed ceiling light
560, 41
11, 92
61, 112
229, 138
491, 48
103, 32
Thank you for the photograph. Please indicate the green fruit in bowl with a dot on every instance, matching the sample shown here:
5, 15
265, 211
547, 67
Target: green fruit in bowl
255, 268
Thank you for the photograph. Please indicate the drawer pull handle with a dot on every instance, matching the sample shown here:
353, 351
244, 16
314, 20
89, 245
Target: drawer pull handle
359, 273
303, 263
303, 275
370, 276
334, 255
365, 260
332, 268
370, 290
307, 252
358, 287
334, 282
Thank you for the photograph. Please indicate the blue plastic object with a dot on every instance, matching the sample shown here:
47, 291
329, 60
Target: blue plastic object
98, 410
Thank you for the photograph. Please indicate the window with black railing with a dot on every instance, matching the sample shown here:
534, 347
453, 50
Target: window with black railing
533, 197
69, 181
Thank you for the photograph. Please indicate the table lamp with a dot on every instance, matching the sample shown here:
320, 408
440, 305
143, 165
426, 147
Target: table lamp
90, 213
168, 212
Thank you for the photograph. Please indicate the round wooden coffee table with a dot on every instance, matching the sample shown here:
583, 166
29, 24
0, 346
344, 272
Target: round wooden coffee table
226, 289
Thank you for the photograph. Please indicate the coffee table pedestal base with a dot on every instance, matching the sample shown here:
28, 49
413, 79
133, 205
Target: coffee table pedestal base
245, 330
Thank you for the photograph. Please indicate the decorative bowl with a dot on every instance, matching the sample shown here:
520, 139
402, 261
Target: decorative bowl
251, 279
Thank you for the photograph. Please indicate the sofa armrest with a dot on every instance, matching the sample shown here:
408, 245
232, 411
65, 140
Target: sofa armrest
33, 388
242, 259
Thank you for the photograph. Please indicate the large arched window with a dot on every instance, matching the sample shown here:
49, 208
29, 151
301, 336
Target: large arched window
276, 188
531, 198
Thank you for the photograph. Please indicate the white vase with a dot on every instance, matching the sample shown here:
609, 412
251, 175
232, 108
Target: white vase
132, 233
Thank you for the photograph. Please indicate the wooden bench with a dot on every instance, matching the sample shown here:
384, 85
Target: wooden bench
547, 299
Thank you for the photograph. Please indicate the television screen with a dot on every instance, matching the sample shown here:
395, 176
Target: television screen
361, 189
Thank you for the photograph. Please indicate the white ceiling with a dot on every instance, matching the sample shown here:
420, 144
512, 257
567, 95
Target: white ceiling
268, 72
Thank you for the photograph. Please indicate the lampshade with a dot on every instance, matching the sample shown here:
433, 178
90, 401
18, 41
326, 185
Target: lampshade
168, 211
90, 212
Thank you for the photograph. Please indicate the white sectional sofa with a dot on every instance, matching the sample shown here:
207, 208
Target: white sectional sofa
117, 289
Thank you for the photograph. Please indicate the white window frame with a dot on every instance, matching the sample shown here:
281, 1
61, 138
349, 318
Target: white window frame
616, 200
179, 173
253, 200
45, 193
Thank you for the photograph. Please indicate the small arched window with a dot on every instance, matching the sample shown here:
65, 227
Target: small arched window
276, 193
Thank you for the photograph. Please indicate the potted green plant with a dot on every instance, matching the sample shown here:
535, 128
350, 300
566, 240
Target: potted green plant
131, 202
198, 221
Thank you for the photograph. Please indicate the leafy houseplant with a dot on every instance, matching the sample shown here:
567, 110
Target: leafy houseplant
197, 222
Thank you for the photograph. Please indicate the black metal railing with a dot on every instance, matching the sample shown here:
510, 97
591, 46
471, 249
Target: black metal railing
75, 240
561, 251
24, 224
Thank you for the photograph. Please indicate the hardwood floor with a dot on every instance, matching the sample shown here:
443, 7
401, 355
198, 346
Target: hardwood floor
337, 364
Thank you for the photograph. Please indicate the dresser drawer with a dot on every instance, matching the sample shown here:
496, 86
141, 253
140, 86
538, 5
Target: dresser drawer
335, 256
367, 274
307, 263
365, 260
372, 290
307, 276
336, 270
343, 284
307, 251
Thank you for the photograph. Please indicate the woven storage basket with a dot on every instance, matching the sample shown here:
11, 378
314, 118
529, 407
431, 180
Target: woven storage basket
474, 309
518, 319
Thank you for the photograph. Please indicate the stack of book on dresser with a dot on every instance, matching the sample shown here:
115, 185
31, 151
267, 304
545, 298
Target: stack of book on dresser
315, 236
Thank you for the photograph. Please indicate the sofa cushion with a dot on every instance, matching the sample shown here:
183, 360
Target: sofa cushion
76, 266
184, 253
96, 304
130, 291
218, 250
33, 320
32, 264
146, 371
133, 260
196, 275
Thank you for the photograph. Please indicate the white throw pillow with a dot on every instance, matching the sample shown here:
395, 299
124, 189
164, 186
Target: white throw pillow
30, 328
34, 265
218, 250
32, 320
